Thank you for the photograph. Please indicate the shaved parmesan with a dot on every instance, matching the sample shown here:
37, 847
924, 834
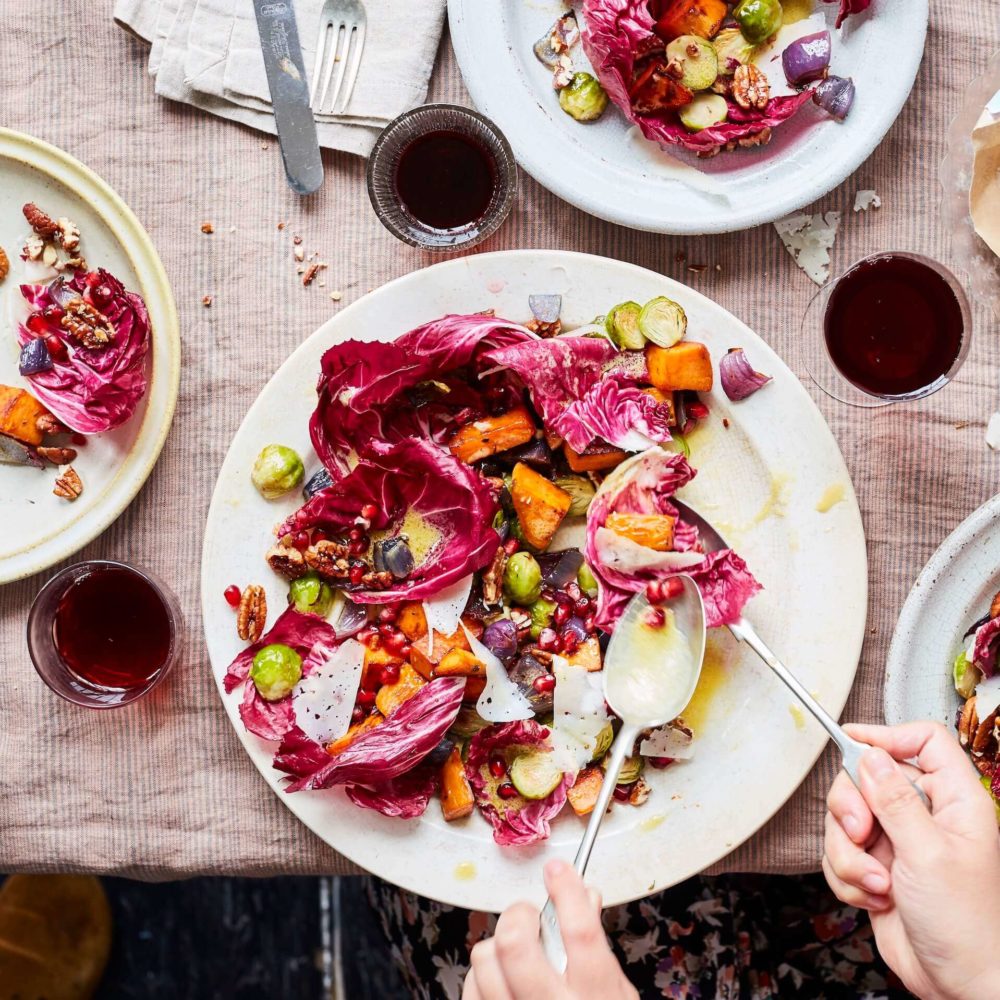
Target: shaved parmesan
444, 610
671, 740
578, 715
626, 556
864, 200
501, 700
809, 239
988, 696
993, 432
324, 699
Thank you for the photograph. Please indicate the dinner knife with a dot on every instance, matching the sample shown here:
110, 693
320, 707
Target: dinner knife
286, 79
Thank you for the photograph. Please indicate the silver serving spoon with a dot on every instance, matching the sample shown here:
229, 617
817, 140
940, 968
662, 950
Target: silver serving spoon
851, 750
644, 690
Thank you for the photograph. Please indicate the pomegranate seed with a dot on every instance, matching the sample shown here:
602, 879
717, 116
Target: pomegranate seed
396, 642
561, 614
101, 295
301, 540
582, 606
548, 639
570, 641
511, 546
498, 766
365, 634
654, 592
374, 641
661, 762
507, 791
697, 411
369, 511
93, 278
655, 618
573, 592
53, 314
589, 624
562, 598
388, 614
387, 630
366, 697
672, 588
390, 673
319, 535
355, 573
355, 533
405, 649
358, 546
357, 716
622, 793
232, 595
544, 683
57, 348
79, 440
36, 324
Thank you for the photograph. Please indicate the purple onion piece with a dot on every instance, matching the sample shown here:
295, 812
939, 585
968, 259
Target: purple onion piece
835, 95
352, 619
393, 554
535, 453
807, 58
576, 626
738, 378
319, 480
62, 293
500, 638
34, 358
560, 568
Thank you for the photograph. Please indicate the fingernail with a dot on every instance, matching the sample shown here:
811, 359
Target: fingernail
878, 764
852, 825
875, 882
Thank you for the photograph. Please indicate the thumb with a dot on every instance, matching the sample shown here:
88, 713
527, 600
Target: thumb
894, 801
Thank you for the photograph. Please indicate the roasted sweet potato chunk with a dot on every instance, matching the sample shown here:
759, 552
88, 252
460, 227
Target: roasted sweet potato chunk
689, 17
655, 531
487, 436
19, 413
425, 658
539, 503
586, 655
596, 458
686, 365
391, 696
460, 663
583, 795
359, 729
457, 800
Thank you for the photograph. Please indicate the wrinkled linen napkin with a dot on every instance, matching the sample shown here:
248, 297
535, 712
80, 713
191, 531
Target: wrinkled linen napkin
207, 53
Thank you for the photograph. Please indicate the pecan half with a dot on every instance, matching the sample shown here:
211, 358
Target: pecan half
69, 485
4, 264
286, 561
377, 580
761, 138
493, 577
251, 614
47, 424
43, 224
639, 792
968, 722
750, 87
545, 330
69, 234
86, 324
58, 456
995, 606
329, 559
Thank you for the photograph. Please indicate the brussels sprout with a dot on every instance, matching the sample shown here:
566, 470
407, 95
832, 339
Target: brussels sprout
581, 492
632, 768
663, 321
587, 581
987, 783
276, 670
311, 595
604, 740
277, 471
622, 326
758, 19
966, 675
697, 59
732, 49
703, 112
535, 775
467, 723
522, 579
541, 616
584, 99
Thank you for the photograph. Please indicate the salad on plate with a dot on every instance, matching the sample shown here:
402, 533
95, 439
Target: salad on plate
489, 496
702, 75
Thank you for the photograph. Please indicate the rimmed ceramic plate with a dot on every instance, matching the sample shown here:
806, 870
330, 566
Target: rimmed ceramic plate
600, 168
953, 590
113, 466
776, 483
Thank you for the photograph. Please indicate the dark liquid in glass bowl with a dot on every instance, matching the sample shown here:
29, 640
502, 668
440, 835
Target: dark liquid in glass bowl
893, 325
112, 629
445, 179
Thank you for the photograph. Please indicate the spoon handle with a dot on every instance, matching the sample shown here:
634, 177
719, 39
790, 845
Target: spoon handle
851, 750
552, 943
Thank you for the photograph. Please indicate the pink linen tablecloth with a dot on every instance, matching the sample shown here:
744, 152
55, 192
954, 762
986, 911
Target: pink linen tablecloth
164, 789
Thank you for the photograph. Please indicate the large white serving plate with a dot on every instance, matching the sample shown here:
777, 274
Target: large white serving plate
597, 168
762, 478
39, 528
953, 590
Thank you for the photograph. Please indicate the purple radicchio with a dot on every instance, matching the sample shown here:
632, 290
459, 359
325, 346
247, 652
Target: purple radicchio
516, 821
412, 476
987, 646
92, 388
848, 7
405, 797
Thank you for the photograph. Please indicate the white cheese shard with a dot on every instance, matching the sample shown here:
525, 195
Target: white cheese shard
322, 702
444, 610
626, 556
501, 700
988, 696
993, 432
809, 239
578, 715
672, 740
864, 200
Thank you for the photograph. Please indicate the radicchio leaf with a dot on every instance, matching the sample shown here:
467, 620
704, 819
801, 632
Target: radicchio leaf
93, 389
987, 646
405, 797
412, 475
390, 749
579, 399
516, 821
614, 31
367, 390
848, 7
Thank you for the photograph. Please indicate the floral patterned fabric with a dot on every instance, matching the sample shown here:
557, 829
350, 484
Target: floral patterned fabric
728, 938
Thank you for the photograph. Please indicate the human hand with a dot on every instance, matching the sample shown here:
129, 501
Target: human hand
929, 879
512, 966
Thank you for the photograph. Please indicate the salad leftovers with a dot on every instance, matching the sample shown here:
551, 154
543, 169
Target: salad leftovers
491, 495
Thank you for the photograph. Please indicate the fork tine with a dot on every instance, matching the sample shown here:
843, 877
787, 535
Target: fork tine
352, 73
330, 97
331, 64
324, 31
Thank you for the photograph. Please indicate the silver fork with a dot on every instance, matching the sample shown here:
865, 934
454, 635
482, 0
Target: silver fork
339, 45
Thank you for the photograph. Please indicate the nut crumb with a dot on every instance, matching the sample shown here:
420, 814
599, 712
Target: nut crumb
69, 485
252, 613
281, 225
206, 300
336, 296
297, 240
44, 225
697, 268
725, 422
718, 267
961, 425
57, 456
207, 227
4, 264
310, 274
299, 254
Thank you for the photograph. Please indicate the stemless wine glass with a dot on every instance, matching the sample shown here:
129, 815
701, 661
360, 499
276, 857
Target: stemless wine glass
385, 158
823, 369
52, 667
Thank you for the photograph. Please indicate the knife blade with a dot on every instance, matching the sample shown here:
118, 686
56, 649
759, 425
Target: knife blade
286, 79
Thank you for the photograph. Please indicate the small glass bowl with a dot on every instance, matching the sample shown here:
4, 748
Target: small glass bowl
50, 665
827, 375
384, 160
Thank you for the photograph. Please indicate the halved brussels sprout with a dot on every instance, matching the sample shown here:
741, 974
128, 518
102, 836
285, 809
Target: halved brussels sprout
581, 491
631, 770
622, 325
277, 471
758, 19
703, 112
698, 61
584, 99
604, 740
662, 321
966, 675
535, 775
467, 723
541, 616
587, 581
732, 48
275, 671
311, 595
